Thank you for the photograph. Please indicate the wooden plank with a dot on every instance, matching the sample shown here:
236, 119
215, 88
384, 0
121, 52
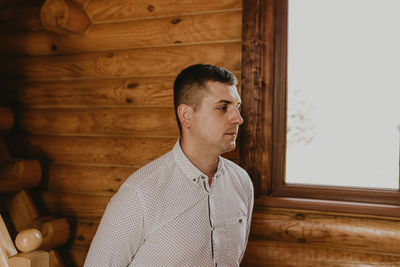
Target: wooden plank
22, 210
127, 151
74, 205
165, 61
55, 231
36, 258
154, 91
93, 179
327, 230
145, 122
264, 253
205, 28
5, 240
117, 10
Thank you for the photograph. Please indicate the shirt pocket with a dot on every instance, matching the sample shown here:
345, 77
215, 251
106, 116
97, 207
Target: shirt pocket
236, 228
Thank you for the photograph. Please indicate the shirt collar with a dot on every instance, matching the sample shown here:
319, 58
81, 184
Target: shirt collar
191, 171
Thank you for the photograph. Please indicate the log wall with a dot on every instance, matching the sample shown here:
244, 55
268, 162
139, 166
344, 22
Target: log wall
97, 107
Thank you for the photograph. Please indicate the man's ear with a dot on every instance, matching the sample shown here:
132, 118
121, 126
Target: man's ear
185, 115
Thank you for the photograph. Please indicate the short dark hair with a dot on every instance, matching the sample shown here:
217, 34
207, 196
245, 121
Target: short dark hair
190, 84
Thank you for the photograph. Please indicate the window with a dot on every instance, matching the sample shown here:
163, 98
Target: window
267, 83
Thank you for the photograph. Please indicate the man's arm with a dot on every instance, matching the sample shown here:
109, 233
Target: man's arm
120, 232
250, 214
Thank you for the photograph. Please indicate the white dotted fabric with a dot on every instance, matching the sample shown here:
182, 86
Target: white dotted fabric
166, 215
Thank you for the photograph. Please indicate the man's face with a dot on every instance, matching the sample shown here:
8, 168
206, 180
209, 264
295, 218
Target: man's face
216, 121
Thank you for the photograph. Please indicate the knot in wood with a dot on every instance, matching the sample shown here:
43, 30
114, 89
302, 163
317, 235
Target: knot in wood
176, 21
151, 8
300, 216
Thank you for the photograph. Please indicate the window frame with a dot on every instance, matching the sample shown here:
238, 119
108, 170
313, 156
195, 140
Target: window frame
263, 134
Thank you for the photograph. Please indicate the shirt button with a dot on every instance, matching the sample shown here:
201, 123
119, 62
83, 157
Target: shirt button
194, 179
240, 220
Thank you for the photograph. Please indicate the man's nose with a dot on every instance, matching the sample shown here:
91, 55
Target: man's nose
237, 119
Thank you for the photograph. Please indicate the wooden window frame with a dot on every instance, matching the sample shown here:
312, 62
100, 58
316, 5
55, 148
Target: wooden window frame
263, 134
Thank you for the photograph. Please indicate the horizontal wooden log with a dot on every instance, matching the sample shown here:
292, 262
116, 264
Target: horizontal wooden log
93, 179
165, 61
127, 151
64, 17
206, 28
328, 230
117, 10
128, 121
75, 205
154, 91
16, 175
6, 119
264, 253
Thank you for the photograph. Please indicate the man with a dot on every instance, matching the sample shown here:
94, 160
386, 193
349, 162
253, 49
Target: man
190, 207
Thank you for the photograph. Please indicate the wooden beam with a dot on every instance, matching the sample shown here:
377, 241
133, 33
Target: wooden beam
5, 240
266, 253
55, 231
153, 91
119, 10
161, 61
64, 17
22, 210
146, 122
373, 235
16, 175
194, 29
37, 258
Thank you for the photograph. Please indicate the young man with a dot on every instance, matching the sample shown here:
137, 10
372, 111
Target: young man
190, 207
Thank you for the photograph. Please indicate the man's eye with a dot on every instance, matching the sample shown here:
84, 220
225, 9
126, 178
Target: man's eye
223, 108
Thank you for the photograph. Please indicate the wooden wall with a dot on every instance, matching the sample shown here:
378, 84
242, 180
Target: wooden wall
94, 108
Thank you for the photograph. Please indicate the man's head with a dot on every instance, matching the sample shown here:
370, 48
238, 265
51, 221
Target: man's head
207, 108
190, 85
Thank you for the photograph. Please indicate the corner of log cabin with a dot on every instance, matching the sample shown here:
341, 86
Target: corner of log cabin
95, 107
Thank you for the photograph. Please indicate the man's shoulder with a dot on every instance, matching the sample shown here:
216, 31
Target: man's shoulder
150, 171
237, 171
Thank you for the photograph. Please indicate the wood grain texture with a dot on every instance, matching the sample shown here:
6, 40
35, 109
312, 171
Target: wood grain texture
22, 210
154, 91
265, 253
36, 258
83, 234
166, 61
74, 205
146, 122
328, 230
204, 28
119, 10
55, 231
92, 179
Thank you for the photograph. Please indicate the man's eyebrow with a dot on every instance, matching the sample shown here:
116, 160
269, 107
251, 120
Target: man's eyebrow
227, 102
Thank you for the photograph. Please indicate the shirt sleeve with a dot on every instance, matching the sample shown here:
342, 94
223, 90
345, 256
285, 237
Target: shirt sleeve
250, 214
120, 232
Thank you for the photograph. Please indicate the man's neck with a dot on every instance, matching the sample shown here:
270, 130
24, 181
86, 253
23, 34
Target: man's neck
205, 162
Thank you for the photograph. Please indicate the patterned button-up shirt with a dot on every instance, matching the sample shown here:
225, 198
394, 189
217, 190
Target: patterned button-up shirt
166, 214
